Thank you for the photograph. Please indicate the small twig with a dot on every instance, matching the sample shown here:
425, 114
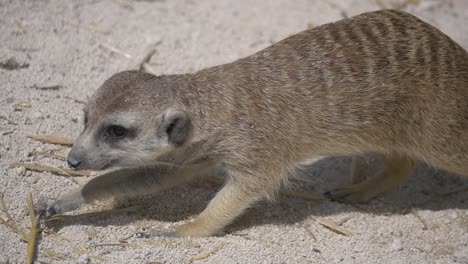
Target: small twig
115, 50
6, 131
52, 254
20, 26
207, 253
326, 223
76, 100
54, 170
33, 231
141, 63
11, 222
109, 245
12, 64
53, 139
311, 233
334, 227
91, 28
81, 248
48, 87
344, 220
21, 105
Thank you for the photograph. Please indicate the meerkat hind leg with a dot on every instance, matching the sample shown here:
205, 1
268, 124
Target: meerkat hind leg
396, 170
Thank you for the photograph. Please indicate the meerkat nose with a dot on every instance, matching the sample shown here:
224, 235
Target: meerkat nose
73, 162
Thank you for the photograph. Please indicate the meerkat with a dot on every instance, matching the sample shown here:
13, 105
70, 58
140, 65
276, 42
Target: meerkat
383, 82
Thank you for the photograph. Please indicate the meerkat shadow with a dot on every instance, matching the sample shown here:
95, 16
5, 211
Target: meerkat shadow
426, 188
421, 191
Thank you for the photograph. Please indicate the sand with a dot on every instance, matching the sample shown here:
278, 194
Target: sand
62, 52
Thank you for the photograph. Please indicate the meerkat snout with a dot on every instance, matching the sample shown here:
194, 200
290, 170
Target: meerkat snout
117, 134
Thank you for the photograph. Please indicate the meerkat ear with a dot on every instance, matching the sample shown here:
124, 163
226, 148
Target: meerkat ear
176, 125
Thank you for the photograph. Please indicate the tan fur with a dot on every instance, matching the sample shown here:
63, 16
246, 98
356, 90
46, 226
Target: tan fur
382, 81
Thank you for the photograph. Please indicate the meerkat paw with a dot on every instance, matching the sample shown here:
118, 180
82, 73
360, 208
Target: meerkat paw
193, 229
65, 204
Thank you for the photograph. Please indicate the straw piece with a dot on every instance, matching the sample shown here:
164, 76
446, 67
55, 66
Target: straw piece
51, 169
33, 231
115, 50
334, 227
207, 253
57, 139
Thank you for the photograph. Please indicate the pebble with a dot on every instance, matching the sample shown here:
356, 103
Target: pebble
83, 259
20, 171
395, 246
37, 115
426, 248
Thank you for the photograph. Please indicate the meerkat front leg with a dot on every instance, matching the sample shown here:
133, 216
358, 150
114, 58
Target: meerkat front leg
396, 170
230, 202
128, 182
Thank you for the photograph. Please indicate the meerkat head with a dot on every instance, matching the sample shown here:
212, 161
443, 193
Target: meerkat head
130, 121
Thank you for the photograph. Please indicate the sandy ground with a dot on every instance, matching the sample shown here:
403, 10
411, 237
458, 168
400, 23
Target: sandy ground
63, 44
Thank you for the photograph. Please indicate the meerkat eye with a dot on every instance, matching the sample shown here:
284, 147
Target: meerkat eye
116, 131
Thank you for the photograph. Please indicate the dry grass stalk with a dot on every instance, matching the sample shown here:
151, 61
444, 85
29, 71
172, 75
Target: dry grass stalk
81, 249
99, 258
19, 106
207, 253
115, 50
6, 131
76, 100
90, 28
140, 63
334, 227
51, 169
11, 222
52, 254
33, 231
20, 25
308, 227
53, 139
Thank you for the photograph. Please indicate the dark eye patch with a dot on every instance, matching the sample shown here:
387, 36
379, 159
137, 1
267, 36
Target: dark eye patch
114, 133
117, 131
